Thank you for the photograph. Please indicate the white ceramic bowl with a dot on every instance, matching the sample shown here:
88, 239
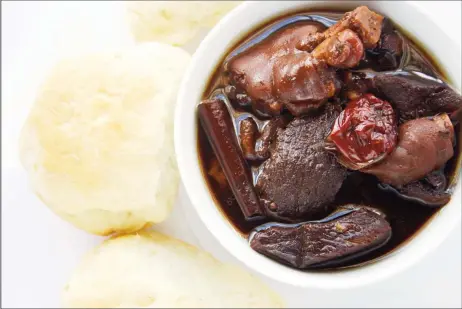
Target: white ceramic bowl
241, 21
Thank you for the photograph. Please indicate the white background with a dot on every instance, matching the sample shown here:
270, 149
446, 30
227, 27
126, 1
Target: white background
39, 250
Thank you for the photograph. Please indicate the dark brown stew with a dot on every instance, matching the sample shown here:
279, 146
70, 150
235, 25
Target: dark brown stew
300, 210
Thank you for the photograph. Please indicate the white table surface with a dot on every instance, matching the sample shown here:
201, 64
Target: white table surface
39, 250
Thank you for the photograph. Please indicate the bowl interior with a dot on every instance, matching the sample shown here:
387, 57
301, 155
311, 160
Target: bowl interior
236, 25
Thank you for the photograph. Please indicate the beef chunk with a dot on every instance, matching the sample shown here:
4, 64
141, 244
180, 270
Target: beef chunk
414, 97
301, 179
251, 71
302, 82
348, 233
424, 145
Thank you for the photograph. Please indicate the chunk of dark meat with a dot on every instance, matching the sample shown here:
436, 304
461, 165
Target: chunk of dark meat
414, 97
301, 179
251, 71
343, 50
350, 232
366, 23
424, 145
302, 83
429, 191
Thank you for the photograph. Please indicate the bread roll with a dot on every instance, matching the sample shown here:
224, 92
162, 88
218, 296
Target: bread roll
150, 270
98, 143
174, 22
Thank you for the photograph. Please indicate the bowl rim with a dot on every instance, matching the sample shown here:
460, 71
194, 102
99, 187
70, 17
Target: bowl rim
195, 80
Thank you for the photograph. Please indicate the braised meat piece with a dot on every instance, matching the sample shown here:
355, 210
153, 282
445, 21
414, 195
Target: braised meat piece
300, 178
303, 83
364, 22
414, 97
274, 74
424, 145
343, 50
251, 71
348, 233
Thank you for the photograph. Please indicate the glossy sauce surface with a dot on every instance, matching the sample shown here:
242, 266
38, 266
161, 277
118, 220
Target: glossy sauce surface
406, 217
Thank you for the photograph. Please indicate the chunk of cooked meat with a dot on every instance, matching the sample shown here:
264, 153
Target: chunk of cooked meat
251, 71
300, 178
366, 23
303, 83
424, 144
414, 97
343, 50
348, 233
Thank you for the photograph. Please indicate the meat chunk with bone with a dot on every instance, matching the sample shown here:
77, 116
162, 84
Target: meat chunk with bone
424, 145
300, 178
251, 71
366, 23
348, 233
274, 74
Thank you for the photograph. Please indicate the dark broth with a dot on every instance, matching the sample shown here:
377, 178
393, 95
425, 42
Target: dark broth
406, 217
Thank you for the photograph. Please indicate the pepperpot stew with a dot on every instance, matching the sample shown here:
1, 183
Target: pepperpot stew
328, 138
